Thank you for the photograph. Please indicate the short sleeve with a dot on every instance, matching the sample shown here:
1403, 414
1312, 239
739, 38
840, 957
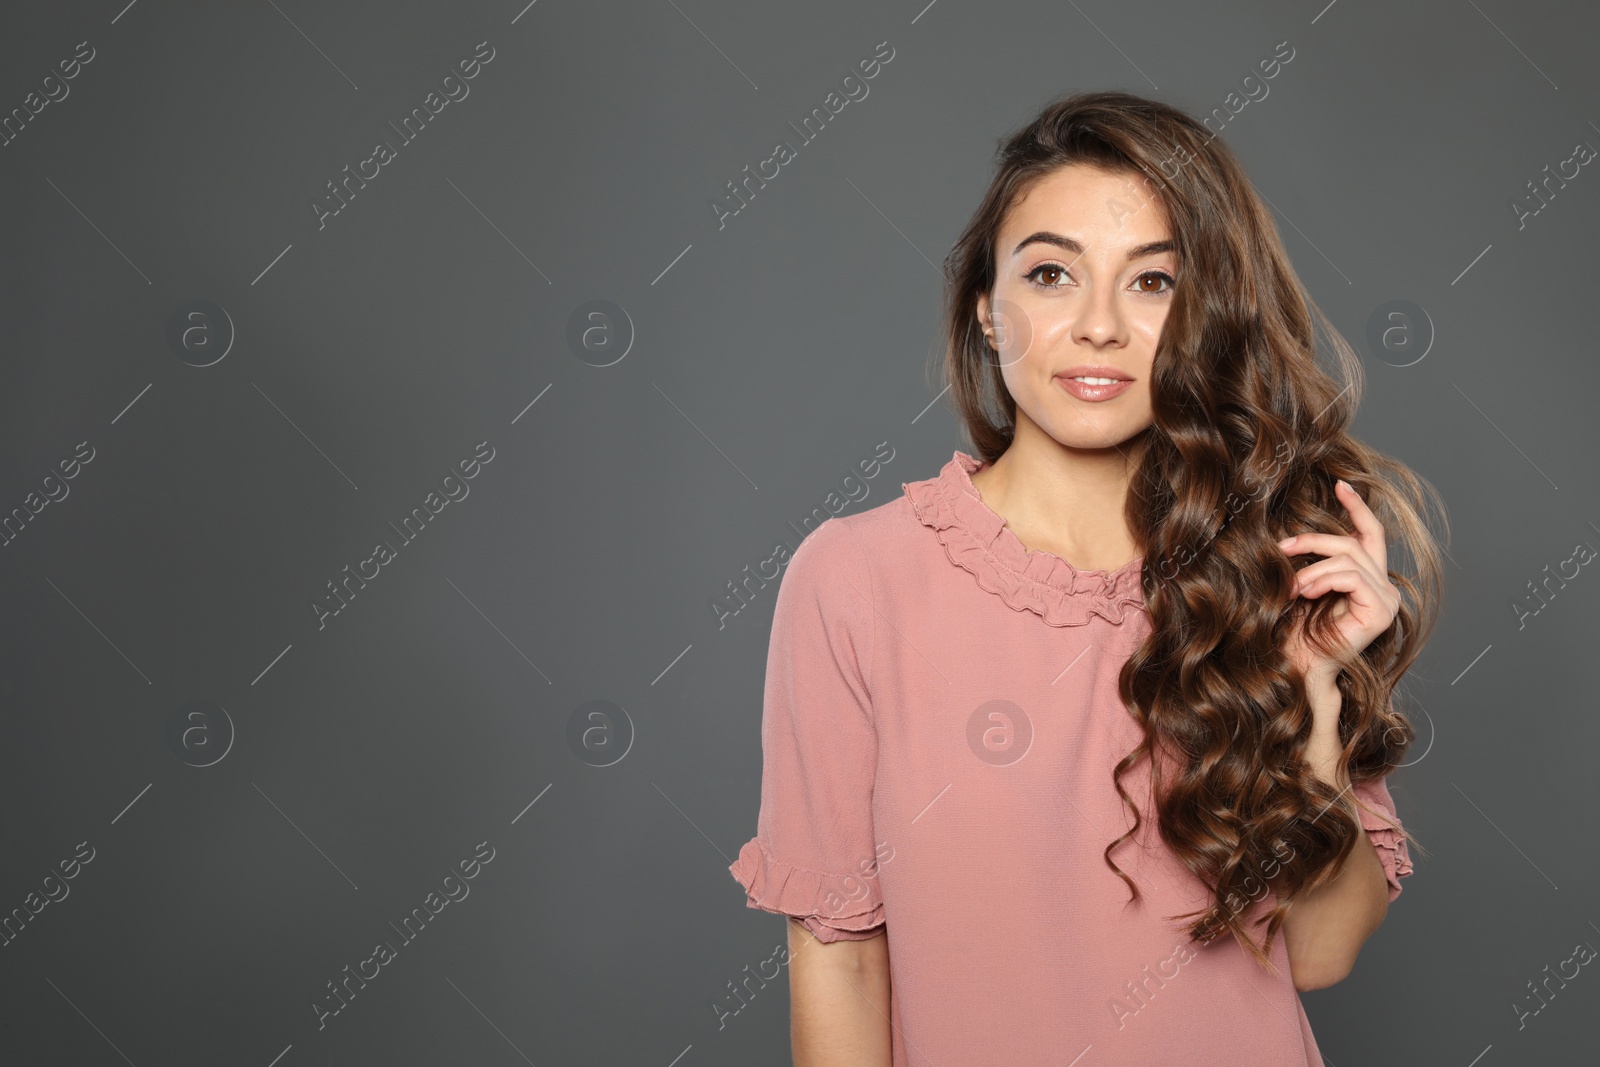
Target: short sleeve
1383, 826
813, 856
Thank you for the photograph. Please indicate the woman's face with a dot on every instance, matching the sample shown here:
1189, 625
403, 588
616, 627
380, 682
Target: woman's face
1084, 274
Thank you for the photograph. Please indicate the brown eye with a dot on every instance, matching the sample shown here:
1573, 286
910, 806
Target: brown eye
1156, 276
1057, 271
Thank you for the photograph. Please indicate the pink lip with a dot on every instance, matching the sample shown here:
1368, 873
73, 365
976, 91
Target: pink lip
1093, 393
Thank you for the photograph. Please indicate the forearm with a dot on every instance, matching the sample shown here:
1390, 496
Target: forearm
838, 1001
1327, 927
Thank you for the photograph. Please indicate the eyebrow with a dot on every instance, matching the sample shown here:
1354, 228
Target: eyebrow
1074, 247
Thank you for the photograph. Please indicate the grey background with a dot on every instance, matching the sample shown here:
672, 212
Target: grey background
372, 355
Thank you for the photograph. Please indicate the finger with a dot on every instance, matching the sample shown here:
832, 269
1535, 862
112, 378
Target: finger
1332, 546
1354, 583
1341, 562
1366, 523
1325, 544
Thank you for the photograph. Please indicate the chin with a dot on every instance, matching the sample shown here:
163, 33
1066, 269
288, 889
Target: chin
1073, 431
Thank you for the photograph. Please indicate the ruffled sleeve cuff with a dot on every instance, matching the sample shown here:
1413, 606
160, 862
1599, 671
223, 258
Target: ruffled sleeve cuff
833, 907
1391, 846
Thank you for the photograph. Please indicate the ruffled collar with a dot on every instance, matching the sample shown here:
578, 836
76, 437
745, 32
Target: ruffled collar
978, 540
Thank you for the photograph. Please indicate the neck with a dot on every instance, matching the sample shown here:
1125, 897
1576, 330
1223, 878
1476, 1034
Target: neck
1066, 501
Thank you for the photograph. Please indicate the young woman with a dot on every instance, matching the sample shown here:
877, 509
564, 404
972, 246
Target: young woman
1040, 730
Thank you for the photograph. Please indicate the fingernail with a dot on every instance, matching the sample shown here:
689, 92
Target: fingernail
1286, 542
1342, 482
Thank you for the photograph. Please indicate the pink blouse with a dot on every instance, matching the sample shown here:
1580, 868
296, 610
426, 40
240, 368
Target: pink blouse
940, 723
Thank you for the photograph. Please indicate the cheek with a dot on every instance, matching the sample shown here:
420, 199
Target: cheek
1020, 374
1142, 402
1051, 322
1012, 319
1148, 326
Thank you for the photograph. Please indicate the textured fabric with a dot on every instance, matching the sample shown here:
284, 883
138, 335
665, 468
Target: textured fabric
940, 724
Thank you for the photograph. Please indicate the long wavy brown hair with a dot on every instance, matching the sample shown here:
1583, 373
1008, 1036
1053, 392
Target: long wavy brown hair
1249, 433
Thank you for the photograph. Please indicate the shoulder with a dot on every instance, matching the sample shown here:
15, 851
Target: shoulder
860, 539
887, 545
844, 559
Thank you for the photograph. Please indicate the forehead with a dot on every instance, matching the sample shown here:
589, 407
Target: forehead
1102, 208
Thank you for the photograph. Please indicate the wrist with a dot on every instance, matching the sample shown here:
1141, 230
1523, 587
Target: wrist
1324, 756
1323, 684
1327, 704
1325, 749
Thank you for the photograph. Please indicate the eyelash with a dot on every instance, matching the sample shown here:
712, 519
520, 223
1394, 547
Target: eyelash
1030, 276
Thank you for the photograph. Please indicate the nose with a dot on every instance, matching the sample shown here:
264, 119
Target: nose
1100, 321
